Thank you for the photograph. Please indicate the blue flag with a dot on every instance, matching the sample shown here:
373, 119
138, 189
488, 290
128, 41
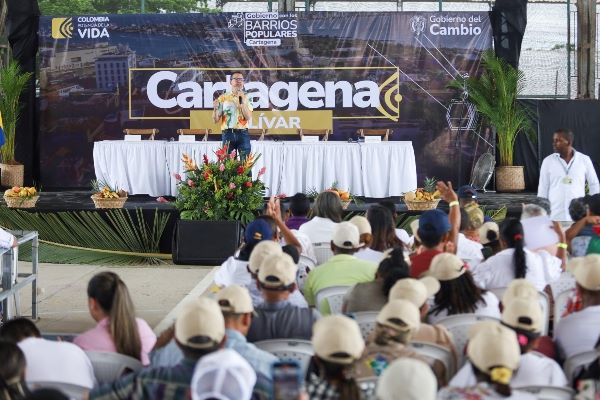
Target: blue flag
2, 139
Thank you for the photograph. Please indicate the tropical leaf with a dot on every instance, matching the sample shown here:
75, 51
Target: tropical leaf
494, 94
86, 237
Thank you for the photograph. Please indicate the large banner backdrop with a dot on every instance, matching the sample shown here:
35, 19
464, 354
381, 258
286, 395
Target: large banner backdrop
341, 71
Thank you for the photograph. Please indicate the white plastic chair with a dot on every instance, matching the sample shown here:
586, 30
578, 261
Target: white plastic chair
544, 303
322, 252
565, 283
459, 325
72, 391
109, 366
576, 362
549, 392
305, 265
298, 350
334, 295
366, 320
435, 352
560, 304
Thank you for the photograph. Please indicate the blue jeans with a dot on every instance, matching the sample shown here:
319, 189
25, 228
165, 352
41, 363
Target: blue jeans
238, 139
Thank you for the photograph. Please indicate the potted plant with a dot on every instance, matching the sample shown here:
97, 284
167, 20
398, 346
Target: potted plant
12, 83
494, 94
214, 199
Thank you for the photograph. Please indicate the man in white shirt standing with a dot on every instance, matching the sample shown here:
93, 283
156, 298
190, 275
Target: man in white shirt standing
563, 175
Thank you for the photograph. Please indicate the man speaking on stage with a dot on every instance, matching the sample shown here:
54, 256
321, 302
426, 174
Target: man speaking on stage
234, 111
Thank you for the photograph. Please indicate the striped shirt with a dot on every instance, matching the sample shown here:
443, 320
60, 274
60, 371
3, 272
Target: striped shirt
151, 383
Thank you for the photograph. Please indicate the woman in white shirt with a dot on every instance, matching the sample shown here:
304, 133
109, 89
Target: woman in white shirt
524, 316
327, 212
511, 263
494, 356
458, 293
383, 234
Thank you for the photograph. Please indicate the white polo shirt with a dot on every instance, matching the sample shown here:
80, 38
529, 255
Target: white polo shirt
534, 369
369, 255
469, 251
561, 182
498, 271
319, 230
578, 332
51, 361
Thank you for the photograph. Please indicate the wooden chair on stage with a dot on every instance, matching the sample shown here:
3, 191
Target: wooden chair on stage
384, 133
321, 133
257, 134
204, 132
150, 133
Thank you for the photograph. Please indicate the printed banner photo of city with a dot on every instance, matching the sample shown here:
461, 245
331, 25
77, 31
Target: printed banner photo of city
320, 70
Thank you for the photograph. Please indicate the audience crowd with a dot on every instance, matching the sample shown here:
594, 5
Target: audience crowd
463, 308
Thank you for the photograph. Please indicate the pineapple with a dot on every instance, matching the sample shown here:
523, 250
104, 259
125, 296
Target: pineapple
429, 184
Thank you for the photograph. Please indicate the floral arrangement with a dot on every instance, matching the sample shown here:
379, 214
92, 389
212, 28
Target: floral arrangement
220, 190
18, 191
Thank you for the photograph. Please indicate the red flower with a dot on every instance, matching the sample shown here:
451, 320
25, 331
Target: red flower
240, 170
230, 196
191, 183
162, 200
177, 177
248, 184
232, 155
205, 159
262, 171
222, 153
206, 175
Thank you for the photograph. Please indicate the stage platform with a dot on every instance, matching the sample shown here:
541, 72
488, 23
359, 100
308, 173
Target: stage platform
60, 201
80, 200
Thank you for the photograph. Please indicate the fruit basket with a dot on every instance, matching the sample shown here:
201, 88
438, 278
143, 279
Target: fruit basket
108, 197
21, 197
425, 198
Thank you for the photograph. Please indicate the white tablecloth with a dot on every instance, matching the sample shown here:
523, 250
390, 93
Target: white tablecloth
367, 169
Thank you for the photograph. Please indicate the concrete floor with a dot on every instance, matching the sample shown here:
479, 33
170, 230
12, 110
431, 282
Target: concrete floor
156, 293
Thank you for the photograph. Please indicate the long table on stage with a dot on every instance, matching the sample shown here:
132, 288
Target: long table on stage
375, 170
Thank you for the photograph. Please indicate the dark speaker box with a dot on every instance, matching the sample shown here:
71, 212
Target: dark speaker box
205, 242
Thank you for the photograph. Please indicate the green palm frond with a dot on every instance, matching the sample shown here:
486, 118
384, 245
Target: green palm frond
497, 215
494, 94
85, 237
12, 82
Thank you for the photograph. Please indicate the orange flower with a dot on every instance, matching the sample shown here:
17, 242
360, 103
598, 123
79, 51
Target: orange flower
249, 162
190, 165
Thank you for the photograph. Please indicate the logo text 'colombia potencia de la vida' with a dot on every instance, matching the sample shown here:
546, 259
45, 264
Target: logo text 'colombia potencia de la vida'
89, 27
283, 95
447, 25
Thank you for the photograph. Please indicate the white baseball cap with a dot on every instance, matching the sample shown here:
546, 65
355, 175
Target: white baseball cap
200, 324
417, 291
235, 299
337, 339
261, 251
407, 379
346, 236
223, 375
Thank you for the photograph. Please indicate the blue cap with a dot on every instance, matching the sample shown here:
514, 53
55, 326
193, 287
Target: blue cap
467, 192
257, 231
433, 222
